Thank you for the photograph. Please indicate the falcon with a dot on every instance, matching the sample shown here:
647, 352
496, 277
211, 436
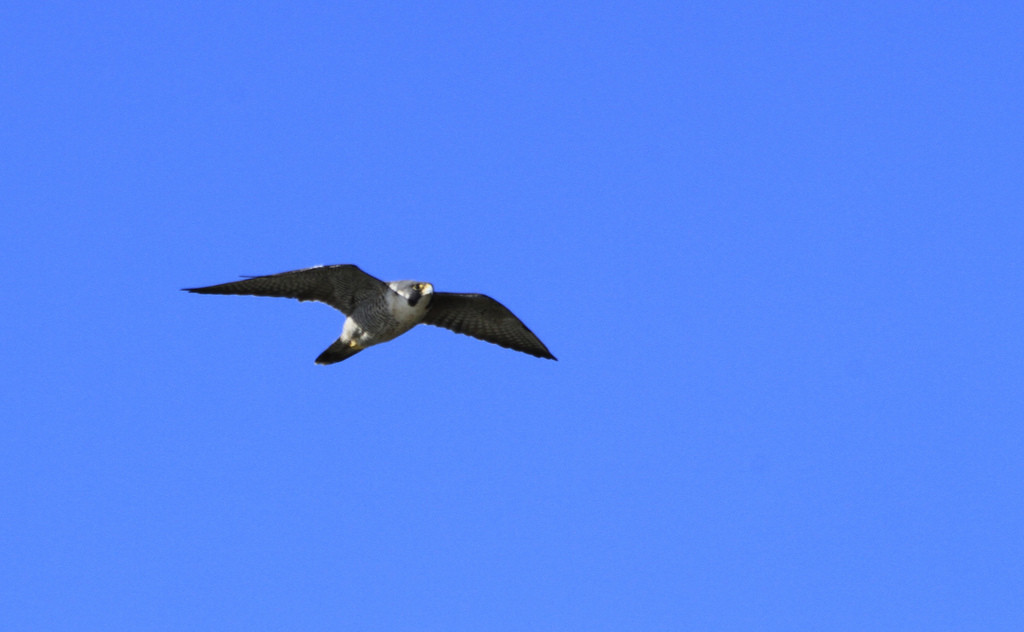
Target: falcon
379, 311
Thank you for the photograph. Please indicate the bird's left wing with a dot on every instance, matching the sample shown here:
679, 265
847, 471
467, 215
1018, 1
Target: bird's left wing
484, 318
340, 286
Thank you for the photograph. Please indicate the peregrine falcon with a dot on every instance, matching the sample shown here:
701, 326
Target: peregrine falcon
377, 311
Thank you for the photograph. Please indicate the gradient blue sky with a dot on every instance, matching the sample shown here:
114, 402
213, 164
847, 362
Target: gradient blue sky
777, 250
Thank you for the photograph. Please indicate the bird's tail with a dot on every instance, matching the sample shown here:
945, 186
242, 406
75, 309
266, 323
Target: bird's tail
337, 352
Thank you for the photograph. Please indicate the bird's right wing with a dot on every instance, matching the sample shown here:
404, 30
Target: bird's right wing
340, 286
484, 318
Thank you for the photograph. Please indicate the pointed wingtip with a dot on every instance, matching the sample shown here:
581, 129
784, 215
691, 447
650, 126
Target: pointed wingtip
543, 354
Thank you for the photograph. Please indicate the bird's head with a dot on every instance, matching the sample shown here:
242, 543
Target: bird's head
413, 291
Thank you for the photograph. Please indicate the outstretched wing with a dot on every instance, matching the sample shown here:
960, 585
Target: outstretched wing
340, 286
484, 318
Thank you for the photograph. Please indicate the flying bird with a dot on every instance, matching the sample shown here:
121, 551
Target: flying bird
379, 311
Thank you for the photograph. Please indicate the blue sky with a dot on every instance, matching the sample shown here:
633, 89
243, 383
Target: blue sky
776, 249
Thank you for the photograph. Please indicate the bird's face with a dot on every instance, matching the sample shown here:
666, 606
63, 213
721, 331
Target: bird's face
413, 291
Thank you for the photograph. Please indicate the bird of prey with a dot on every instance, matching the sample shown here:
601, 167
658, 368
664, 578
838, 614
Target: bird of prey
378, 311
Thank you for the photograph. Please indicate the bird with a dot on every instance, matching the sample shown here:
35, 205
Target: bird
377, 311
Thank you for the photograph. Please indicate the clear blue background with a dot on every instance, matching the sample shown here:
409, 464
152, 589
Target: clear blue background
776, 248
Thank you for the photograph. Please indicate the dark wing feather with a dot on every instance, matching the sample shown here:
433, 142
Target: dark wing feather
340, 286
484, 318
